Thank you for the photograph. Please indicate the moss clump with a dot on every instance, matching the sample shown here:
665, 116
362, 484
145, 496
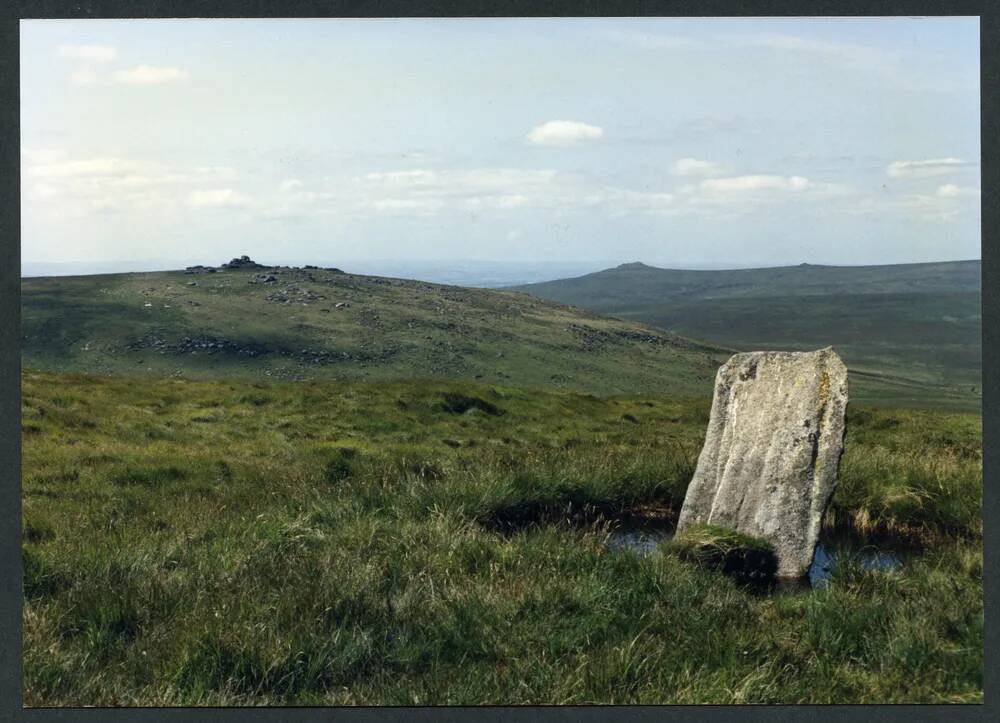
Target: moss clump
743, 557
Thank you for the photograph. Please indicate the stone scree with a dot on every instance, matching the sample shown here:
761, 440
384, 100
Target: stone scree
769, 464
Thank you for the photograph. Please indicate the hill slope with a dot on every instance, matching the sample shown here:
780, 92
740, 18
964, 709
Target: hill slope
910, 333
288, 323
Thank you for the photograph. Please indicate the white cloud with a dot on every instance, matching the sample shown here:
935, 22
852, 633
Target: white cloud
108, 183
100, 166
514, 200
407, 205
924, 169
928, 207
81, 174
562, 132
735, 196
214, 173
460, 183
33, 155
85, 75
950, 190
874, 60
947, 203
858, 56
402, 176
41, 192
217, 198
742, 184
653, 41
116, 183
139, 75
423, 192
695, 167
622, 201
91, 53
509, 201
146, 75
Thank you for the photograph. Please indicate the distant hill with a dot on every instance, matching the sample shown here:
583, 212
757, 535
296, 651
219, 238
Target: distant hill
910, 333
289, 323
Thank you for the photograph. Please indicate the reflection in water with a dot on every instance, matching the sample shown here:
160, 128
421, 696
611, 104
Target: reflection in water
867, 557
644, 536
642, 539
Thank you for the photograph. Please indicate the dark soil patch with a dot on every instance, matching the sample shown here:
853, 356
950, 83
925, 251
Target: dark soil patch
454, 403
576, 511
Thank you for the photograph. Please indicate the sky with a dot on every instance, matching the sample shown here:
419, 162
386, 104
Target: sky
698, 143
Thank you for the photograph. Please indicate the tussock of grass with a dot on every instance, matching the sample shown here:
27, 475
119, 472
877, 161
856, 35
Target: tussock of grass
245, 576
915, 478
743, 557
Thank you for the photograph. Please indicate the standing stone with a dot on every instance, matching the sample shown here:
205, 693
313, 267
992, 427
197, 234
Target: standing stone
774, 441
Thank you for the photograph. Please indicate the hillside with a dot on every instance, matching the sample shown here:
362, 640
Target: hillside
309, 324
910, 333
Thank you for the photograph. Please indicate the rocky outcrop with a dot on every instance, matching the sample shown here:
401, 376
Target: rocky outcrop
769, 464
243, 262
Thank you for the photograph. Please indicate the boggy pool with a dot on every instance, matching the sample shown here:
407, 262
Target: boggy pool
643, 535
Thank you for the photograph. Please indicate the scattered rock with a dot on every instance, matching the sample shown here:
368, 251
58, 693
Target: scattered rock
293, 295
769, 464
220, 345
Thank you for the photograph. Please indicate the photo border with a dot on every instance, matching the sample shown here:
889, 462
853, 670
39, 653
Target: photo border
10, 359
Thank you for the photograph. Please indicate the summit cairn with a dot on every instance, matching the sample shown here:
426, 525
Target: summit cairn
774, 441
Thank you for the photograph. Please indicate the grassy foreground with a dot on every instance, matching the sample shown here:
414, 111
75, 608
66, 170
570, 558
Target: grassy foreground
214, 543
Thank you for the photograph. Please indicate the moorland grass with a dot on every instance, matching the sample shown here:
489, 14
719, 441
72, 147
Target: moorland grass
214, 543
312, 325
911, 334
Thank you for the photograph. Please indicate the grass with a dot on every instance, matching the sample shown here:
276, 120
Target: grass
210, 542
910, 333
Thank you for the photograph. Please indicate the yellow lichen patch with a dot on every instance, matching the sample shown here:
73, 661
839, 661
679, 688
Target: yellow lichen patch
824, 388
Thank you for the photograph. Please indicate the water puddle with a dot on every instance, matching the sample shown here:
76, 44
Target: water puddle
643, 528
643, 535
866, 556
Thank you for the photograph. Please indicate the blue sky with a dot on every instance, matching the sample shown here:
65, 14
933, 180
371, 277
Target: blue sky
678, 142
